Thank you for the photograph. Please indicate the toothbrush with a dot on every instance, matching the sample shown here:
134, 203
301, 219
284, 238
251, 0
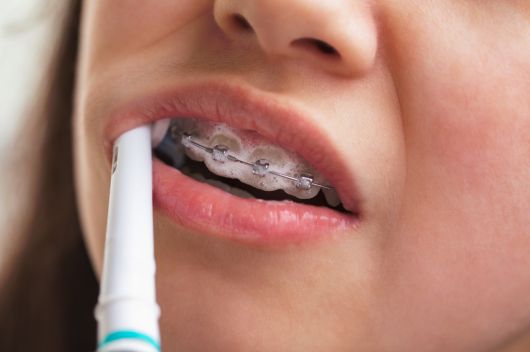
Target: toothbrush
127, 312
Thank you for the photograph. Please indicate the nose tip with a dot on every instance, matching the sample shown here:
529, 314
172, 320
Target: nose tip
330, 35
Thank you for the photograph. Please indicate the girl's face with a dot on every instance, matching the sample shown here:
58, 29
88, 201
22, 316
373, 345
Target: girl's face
420, 111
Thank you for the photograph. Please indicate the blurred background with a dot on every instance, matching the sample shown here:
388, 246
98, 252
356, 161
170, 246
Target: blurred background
28, 32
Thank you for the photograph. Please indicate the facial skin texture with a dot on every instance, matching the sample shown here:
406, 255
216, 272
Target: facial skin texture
430, 104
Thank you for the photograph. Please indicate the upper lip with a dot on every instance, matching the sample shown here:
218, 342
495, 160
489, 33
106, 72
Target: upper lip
246, 108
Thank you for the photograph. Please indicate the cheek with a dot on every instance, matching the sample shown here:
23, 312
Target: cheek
461, 247
92, 178
468, 208
474, 137
121, 27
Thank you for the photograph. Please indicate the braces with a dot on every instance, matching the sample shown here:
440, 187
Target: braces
220, 153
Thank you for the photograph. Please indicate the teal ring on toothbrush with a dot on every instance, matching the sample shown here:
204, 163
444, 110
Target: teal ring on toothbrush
131, 335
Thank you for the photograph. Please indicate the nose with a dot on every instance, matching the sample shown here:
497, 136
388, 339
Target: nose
337, 36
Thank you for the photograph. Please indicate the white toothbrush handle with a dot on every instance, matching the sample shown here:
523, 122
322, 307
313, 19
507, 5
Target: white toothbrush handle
127, 311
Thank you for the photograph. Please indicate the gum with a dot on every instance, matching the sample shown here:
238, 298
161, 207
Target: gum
248, 146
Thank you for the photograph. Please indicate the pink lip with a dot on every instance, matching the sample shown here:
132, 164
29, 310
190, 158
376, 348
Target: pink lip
212, 211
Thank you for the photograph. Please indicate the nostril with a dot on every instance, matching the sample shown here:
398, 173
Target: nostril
241, 23
316, 44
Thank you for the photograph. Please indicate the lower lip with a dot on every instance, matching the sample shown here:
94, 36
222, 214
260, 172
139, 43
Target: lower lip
214, 212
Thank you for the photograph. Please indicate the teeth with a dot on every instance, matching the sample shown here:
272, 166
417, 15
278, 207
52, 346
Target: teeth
242, 155
331, 197
232, 190
259, 163
240, 193
158, 131
218, 184
196, 176
221, 185
164, 145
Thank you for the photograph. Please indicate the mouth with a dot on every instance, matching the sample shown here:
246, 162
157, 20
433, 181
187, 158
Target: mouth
236, 164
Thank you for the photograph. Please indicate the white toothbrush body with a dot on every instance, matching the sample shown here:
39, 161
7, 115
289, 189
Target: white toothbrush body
127, 311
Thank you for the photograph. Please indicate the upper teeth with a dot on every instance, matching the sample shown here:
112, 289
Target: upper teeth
249, 162
159, 130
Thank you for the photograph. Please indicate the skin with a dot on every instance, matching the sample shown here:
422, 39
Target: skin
429, 103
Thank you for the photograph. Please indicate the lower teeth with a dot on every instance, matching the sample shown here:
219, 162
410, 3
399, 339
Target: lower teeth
221, 185
200, 173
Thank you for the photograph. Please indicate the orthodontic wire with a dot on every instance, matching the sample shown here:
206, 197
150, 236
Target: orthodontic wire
260, 167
